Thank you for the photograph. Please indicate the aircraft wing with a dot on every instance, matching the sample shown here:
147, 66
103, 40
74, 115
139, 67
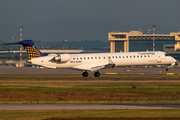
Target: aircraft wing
96, 66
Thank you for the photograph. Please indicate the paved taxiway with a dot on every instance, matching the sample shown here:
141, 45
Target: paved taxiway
89, 106
30, 70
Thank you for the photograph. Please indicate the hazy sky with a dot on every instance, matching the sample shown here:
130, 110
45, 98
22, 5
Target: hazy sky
132, 12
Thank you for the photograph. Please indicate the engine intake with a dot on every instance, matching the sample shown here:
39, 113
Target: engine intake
62, 58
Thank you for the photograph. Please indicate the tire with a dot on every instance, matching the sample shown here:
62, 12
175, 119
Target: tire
85, 74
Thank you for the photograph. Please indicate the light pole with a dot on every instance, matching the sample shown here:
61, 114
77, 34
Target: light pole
65, 41
153, 37
20, 40
12, 45
42, 42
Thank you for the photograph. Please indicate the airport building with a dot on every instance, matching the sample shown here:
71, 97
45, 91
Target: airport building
130, 41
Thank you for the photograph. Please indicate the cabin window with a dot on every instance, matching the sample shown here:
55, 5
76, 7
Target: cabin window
88, 57
119, 56
141, 56
104, 57
77, 58
91, 57
99, 57
73, 58
134, 56
113, 57
148, 56
126, 56
81, 58
84, 57
137, 56
109, 57
123, 56
144, 55
116, 57
130, 56
95, 57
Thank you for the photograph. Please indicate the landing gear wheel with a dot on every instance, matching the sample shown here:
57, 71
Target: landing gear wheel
167, 69
96, 74
85, 74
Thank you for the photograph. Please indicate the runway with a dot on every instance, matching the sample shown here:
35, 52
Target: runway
89, 106
128, 71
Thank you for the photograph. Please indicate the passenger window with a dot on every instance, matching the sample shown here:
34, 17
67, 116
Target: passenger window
148, 56
99, 57
141, 56
109, 57
77, 58
73, 58
116, 57
126, 56
81, 58
88, 57
119, 56
134, 56
137, 56
130, 56
113, 57
95, 57
104, 57
144, 55
84, 57
123, 56
91, 57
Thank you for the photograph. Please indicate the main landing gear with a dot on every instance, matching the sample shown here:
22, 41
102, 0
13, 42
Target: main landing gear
85, 74
96, 74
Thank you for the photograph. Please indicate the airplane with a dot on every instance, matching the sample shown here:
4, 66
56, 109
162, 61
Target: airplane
93, 62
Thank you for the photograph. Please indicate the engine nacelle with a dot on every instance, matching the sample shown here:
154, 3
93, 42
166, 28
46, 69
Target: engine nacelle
62, 58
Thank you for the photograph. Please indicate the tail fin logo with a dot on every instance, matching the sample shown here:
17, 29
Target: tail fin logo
32, 52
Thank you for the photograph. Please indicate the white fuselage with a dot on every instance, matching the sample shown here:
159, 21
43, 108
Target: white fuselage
86, 61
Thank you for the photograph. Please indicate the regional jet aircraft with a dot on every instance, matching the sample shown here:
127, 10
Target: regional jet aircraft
91, 62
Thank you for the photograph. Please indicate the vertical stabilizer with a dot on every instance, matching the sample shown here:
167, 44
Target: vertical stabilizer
31, 50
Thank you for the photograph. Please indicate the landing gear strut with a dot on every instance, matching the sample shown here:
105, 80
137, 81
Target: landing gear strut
85, 74
96, 74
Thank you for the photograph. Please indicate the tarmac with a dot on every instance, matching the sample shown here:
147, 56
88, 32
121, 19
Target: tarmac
89, 106
116, 70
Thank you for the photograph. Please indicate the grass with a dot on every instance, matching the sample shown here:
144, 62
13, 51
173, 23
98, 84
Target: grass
47, 114
90, 92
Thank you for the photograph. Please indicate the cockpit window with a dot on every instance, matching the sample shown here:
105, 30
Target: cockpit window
167, 55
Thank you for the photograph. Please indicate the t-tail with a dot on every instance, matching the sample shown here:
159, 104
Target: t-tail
31, 50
